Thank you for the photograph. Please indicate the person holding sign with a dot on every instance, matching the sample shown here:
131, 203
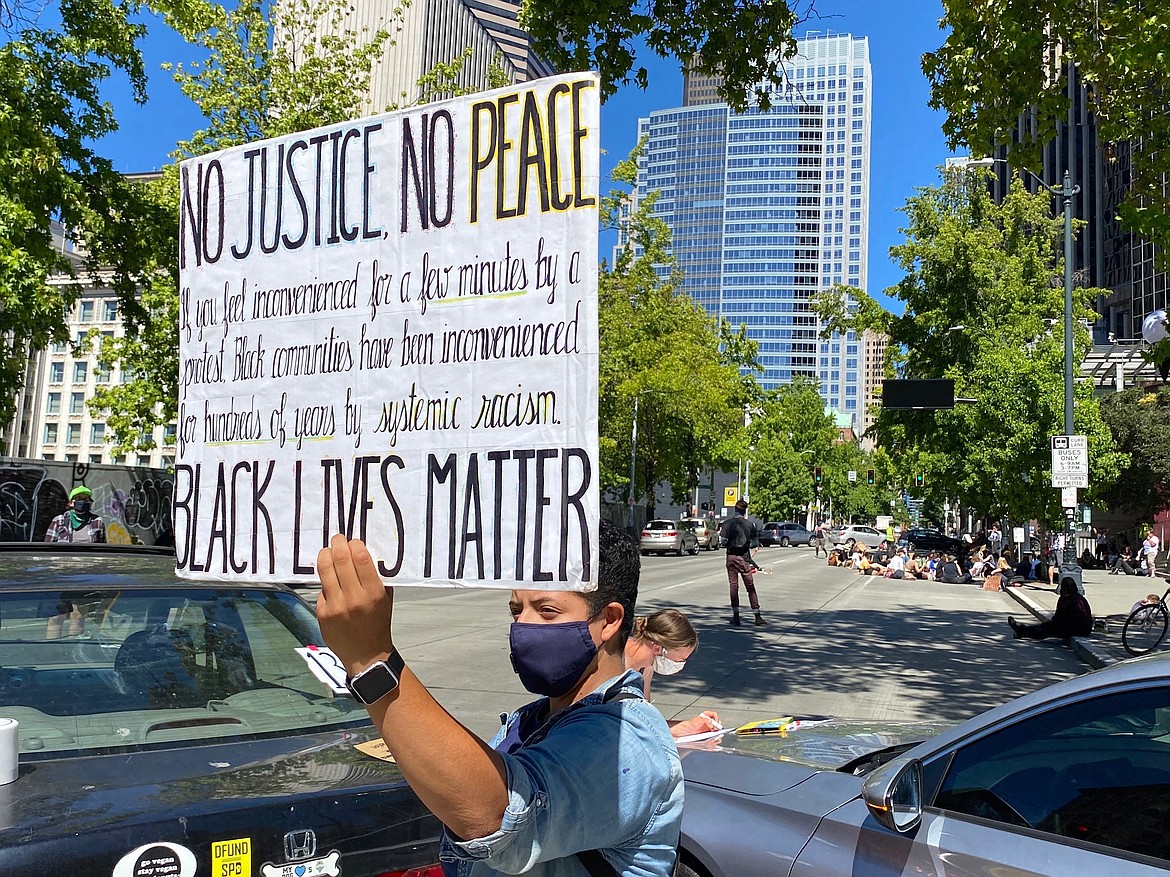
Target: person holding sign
662, 643
585, 780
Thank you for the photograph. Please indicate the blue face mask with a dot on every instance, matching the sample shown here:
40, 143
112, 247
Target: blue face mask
550, 658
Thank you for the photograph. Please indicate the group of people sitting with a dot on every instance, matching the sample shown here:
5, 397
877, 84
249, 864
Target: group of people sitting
935, 566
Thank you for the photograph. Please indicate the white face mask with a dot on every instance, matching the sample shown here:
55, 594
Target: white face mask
664, 666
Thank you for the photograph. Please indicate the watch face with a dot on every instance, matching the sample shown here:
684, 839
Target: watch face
374, 683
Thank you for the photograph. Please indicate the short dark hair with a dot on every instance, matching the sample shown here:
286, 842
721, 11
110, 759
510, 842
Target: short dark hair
618, 569
741, 505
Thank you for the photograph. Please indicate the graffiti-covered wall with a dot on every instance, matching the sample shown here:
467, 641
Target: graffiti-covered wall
134, 502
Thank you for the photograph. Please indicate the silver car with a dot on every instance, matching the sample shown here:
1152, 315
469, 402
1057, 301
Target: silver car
869, 536
662, 536
707, 532
1072, 779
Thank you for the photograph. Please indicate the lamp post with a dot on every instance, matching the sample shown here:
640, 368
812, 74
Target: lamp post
633, 456
1066, 191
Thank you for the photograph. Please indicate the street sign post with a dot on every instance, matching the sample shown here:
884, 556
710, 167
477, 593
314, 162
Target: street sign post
730, 495
1068, 497
1070, 461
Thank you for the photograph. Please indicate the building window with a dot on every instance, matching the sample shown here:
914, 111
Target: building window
71, 458
109, 310
86, 312
101, 374
97, 434
77, 403
49, 456
53, 406
50, 433
73, 434
57, 347
95, 458
56, 372
80, 372
169, 433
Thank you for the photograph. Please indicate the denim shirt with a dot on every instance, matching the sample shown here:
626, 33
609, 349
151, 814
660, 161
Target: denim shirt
601, 774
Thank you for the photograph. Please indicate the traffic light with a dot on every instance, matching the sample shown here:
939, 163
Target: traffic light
919, 480
817, 477
869, 479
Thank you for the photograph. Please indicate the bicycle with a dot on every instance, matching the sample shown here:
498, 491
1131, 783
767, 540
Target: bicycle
1145, 628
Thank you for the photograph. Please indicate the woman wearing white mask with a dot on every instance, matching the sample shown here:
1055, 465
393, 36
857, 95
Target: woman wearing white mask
661, 643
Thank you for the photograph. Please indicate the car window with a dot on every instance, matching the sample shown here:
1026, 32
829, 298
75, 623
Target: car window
100, 669
1097, 771
661, 525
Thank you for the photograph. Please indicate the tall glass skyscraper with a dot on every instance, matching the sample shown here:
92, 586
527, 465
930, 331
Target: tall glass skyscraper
769, 208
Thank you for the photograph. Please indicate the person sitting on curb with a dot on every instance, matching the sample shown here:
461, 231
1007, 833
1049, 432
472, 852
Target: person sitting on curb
1073, 617
1124, 563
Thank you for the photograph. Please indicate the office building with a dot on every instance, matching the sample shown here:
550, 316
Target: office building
53, 420
769, 208
1107, 255
873, 367
434, 32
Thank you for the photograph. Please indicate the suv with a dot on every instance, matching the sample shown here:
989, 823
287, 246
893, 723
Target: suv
785, 534
705, 531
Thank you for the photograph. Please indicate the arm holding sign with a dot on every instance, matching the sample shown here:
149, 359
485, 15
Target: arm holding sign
458, 776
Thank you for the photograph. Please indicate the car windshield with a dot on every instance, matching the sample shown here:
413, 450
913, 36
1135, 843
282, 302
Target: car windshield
98, 669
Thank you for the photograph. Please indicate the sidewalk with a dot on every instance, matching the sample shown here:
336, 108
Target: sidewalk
1110, 597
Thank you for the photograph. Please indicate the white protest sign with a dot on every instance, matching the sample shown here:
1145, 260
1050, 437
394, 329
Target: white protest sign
388, 328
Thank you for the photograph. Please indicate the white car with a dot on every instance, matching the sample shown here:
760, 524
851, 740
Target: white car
870, 536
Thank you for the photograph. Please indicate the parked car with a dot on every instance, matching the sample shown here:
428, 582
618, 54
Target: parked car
784, 534
706, 532
870, 536
662, 536
1072, 779
924, 539
174, 724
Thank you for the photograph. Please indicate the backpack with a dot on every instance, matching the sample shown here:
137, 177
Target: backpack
735, 530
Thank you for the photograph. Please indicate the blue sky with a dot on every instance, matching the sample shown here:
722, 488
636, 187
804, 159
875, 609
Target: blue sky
907, 144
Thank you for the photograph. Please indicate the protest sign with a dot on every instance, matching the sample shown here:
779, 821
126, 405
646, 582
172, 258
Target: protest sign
388, 329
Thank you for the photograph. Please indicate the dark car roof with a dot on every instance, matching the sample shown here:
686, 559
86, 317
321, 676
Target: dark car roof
35, 566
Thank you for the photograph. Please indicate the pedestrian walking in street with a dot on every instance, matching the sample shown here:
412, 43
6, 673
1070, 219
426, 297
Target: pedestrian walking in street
741, 537
819, 541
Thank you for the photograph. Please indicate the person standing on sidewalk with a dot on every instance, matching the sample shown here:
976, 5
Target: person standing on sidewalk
741, 537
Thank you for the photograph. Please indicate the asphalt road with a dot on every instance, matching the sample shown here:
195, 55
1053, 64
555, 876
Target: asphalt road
835, 643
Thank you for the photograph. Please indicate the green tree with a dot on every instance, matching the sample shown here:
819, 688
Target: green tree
789, 436
268, 72
744, 42
1140, 422
51, 112
1005, 61
984, 302
690, 376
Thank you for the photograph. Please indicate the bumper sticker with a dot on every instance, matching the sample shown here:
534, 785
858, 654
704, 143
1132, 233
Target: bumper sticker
324, 867
231, 858
157, 860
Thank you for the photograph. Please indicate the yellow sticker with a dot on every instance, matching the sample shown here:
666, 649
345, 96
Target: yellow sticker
375, 749
231, 858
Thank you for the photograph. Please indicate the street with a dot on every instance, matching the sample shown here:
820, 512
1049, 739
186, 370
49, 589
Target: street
835, 643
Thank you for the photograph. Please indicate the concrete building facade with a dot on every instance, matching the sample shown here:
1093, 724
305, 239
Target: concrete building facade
434, 32
53, 420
